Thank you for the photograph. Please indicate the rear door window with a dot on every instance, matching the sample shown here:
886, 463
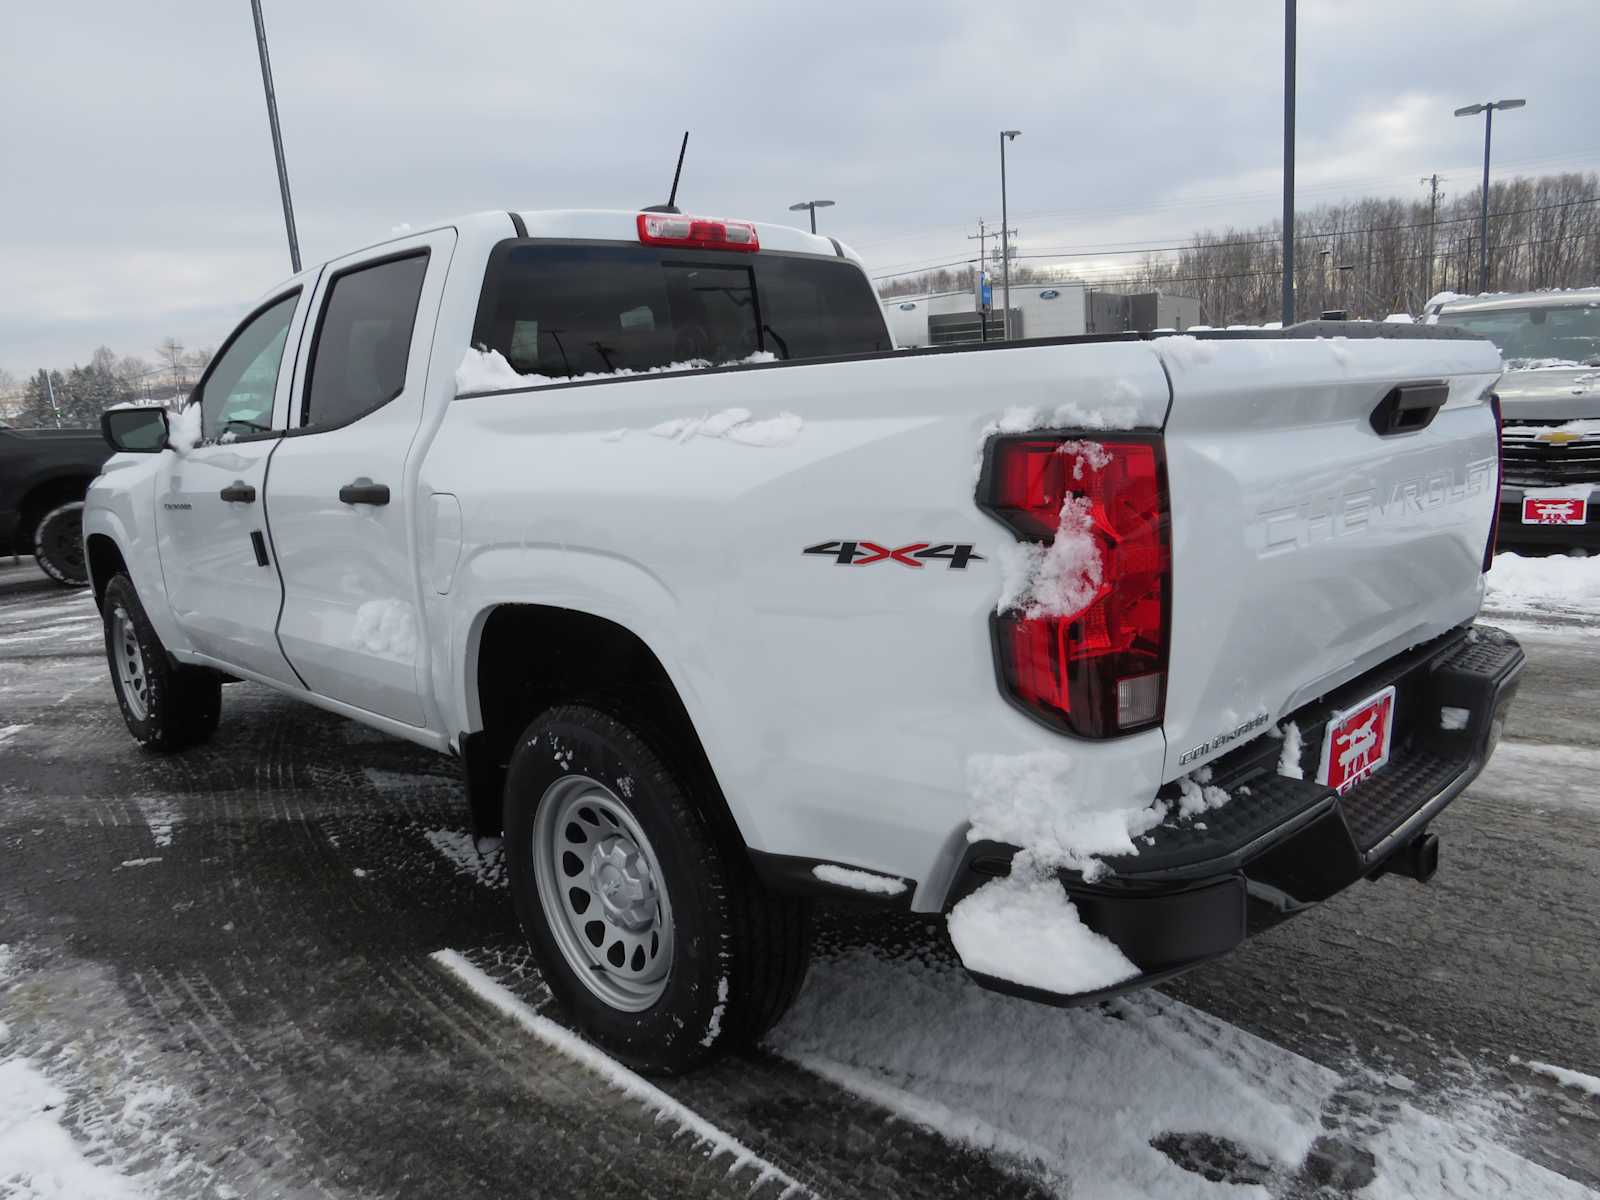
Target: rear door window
565, 311
363, 341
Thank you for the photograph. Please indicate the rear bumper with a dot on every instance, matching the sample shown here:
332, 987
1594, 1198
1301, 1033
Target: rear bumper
1514, 534
1281, 845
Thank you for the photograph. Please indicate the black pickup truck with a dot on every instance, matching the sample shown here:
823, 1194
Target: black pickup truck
43, 476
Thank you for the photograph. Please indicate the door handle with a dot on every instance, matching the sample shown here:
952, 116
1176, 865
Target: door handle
364, 491
239, 492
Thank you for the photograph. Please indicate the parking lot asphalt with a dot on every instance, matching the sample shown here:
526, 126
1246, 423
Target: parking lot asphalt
227, 959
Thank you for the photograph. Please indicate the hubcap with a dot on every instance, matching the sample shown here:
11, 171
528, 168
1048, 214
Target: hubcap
599, 884
128, 659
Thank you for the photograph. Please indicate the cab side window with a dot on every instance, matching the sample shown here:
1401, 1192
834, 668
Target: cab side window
236, 397
358, 360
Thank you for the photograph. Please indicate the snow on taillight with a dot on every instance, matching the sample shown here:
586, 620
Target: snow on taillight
1084, 645
703, 233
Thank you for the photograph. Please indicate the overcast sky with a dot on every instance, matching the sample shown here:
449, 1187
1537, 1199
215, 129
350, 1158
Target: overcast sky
139, 198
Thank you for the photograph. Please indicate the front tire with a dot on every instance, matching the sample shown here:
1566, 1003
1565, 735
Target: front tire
167, 707
653, 934
58, 545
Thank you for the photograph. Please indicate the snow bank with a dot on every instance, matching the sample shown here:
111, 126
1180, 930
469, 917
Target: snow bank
488, 371
1544, 585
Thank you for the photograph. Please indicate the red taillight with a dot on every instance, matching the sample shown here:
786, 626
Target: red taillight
704, 233
1101, 668
1499, 478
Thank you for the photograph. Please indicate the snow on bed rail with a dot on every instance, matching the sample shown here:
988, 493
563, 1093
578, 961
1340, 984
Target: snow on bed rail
656, 1101
488, 371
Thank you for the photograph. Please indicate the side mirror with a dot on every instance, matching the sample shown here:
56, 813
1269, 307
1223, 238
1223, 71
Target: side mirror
135, 430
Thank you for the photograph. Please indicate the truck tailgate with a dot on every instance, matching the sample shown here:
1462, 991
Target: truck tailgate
1306, 545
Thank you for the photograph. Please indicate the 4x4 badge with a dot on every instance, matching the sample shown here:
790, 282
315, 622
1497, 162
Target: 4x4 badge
861, 554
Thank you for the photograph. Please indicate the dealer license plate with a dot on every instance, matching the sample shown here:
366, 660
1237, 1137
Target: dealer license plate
1553, 510
1357, 742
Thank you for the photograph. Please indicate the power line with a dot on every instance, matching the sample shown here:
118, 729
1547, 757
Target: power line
1586, 158
1260, 274
1045, 252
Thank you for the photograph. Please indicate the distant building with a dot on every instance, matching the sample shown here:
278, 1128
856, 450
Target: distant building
1037, 311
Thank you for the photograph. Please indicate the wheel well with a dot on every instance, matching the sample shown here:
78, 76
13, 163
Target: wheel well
531, 657
52, 493
105, 560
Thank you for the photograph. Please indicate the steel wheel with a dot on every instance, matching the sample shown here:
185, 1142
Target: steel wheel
128, 658
601, 887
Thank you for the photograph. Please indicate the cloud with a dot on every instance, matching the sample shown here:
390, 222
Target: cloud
141, 199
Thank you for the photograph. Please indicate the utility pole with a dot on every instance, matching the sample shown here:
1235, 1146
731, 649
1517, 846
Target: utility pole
978, 237
977, 283
1433, 221
1288, 162
277, 136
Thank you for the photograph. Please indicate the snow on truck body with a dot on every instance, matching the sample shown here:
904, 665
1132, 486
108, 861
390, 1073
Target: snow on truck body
886, 617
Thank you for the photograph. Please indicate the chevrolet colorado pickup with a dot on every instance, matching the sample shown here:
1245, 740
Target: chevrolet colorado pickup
727, 606
1550, 399
44, 474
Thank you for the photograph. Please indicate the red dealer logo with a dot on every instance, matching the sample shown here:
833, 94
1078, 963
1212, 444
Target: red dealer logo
955, 555
1565, 510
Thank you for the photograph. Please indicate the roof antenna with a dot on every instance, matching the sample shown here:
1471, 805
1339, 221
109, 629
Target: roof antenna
671, 206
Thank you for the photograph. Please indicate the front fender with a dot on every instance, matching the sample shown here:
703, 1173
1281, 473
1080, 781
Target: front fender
120, 505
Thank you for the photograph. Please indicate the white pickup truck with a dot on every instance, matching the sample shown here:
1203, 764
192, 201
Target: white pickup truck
726, 605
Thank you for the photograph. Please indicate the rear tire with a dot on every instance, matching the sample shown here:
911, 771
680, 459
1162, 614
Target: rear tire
167, 707
58, 545
653, 934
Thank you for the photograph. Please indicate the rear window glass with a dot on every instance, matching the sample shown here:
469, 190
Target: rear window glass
562, 311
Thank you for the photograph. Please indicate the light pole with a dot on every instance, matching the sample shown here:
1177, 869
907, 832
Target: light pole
1289, 22
1487, 110
812, 206
1006, 135
277, 136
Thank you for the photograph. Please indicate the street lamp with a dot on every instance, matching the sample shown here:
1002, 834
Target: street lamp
1006, 135
1487, 110
811, 205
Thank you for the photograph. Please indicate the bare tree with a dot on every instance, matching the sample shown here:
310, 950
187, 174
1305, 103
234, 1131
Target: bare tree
1368, 256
